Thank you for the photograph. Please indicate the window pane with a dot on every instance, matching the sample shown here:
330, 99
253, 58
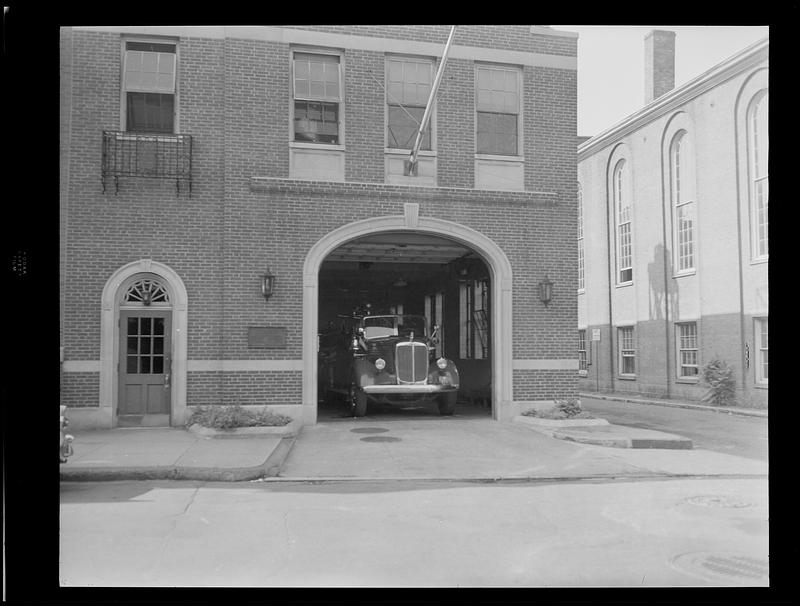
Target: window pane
146, 324
497, 133
316, 122
150, 113
132, 366
158, 365
158, 345
158, 326
402, 129
145, 369
133, 326
132, 343
144, 345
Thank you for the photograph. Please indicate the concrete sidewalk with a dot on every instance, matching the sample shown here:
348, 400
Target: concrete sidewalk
434, 448
151, 453
637, 399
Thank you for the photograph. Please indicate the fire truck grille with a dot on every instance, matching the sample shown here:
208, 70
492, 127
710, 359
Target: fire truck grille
412, 362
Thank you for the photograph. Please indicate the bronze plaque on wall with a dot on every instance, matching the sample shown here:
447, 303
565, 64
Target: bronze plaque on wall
266, 337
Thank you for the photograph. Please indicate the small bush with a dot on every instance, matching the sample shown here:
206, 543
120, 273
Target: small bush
718, 375
563, 409
230, 417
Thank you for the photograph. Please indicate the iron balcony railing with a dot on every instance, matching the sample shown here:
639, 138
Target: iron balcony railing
148, 155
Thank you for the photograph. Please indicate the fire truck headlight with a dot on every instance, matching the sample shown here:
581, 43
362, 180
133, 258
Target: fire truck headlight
441, 363
380, 363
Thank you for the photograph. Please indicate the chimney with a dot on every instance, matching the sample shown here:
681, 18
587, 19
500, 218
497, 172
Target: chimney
659, 64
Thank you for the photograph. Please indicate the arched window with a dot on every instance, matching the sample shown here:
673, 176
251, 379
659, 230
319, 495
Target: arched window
681, 163
581, 277
758, 138
147, 292
622, 204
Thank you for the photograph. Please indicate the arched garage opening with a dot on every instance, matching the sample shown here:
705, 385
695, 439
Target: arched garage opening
429, 282
481, 251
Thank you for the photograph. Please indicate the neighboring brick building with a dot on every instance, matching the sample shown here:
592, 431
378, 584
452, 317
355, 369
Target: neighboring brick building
281, 150
673, 239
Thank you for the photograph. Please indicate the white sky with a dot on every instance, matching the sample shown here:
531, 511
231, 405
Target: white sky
611, 64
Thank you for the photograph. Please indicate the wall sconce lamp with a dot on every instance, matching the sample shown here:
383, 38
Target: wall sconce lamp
545, 290
267, 284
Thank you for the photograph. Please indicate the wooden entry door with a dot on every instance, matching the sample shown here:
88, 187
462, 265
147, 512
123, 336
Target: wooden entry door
144, 368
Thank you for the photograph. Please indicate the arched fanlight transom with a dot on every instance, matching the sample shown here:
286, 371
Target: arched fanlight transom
146, 291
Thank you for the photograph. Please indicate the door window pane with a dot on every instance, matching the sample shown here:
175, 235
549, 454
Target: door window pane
158, 326
145, 367
144, 345
133, 326
145, 326
158, 365
158, 345
132, 365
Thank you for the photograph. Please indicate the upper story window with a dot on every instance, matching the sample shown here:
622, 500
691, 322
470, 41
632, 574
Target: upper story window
317, 92
497, 103
622, 205
683, 201
149, 70
758, 126
409, 83
581, 274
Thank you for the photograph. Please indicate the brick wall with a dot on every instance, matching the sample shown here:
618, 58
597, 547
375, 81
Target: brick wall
233, 98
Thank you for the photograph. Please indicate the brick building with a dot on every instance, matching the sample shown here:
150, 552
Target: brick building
673, 233
195, 160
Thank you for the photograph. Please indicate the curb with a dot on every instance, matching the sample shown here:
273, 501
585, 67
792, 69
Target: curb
731, 411
670, 443
270, 468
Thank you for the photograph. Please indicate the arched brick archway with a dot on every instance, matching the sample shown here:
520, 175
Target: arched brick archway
493, 255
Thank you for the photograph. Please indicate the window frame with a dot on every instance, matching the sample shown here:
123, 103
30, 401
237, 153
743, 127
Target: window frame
759, 350
679, 349
519, 155
123, 118
621, 351
759, 98
620, 192
681, 156
432, 122
341, 121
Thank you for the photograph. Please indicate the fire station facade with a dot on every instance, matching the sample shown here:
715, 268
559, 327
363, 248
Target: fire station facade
227, 193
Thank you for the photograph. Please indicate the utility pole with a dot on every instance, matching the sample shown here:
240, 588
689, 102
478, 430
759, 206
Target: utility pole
411, 163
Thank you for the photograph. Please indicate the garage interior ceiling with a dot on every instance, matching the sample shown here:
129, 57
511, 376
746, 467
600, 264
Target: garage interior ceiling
395, 247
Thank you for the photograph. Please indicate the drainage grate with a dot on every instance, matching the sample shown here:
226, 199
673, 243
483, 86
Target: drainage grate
723, 566
369, 430
717, 501
380, 439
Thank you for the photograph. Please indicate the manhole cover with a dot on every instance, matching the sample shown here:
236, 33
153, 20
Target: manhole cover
723, 566
718, 501
369, 430
380, 439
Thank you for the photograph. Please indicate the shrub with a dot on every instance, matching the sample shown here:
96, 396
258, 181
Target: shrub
563, 409
230, 417
718, 375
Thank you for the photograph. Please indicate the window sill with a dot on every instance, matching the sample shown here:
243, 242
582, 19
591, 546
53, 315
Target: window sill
682, 274
581, 291
687, 380
626, 377
328, 146
759, 261
761, 385
583, 373
624, 284
499, 158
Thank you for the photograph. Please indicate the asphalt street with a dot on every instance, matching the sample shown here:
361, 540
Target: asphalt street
671, 533
716, 431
